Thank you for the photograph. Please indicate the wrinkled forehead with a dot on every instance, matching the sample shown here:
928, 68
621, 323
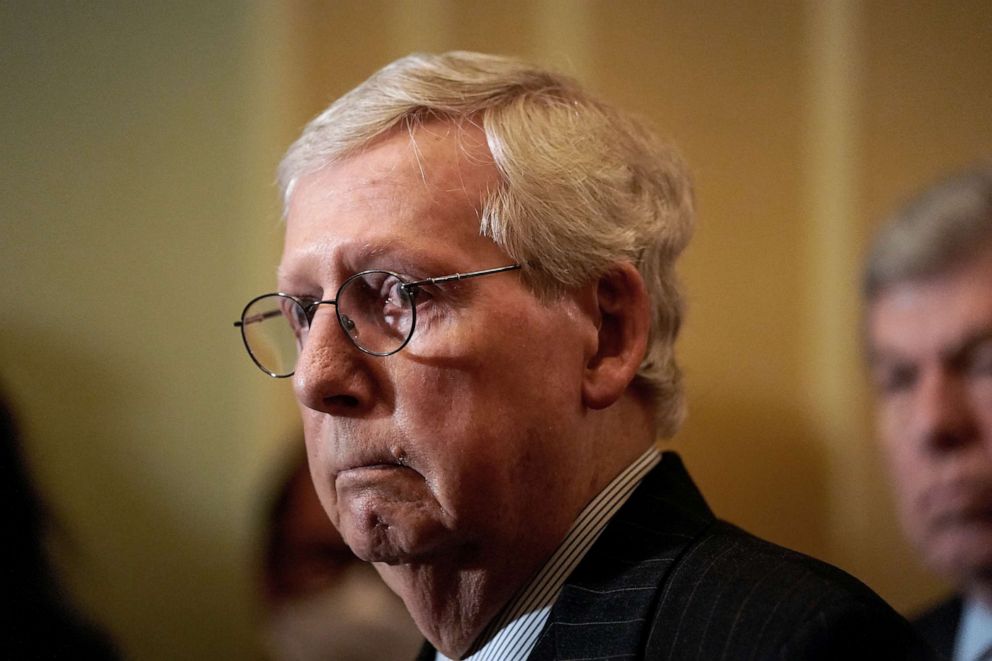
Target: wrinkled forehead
425, 187
434, 155
935, 314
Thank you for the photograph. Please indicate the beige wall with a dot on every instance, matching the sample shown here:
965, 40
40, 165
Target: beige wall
138, 214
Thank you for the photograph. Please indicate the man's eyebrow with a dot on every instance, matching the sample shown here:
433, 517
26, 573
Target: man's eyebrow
380, 250
876, 357
395, 255
391, 254
961, 350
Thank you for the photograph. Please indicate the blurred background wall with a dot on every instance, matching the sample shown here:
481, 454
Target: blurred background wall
139, 213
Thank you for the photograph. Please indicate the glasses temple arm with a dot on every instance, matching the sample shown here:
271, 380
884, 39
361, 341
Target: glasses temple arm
462, 276
255, 318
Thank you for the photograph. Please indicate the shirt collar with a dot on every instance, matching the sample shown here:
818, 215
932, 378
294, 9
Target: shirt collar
975, 632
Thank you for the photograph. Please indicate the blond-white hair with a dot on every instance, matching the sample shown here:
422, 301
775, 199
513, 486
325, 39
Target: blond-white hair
584, 185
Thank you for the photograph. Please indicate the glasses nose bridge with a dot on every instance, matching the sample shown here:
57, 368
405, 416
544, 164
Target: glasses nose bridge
344, 322
310, 309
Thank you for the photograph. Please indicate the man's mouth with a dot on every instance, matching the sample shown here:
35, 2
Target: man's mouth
372, 460
371, 487
962, 503
967, 515
371, 473
379, 466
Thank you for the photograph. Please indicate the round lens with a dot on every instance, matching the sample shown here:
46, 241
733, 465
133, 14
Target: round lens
376, 312
273, 327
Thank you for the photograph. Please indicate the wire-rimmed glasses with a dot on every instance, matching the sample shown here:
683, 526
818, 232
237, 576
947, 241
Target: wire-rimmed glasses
377, 310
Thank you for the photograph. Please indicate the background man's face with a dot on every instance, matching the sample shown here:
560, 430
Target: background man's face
931, 346
463, 441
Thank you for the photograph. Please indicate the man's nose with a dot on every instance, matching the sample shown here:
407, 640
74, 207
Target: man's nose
331, 373
944, 416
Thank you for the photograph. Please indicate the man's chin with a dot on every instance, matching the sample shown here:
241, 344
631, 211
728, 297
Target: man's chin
393, 521
964, 553
376, 551
391, 545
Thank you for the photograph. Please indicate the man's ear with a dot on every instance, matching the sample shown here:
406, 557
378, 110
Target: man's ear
623, 307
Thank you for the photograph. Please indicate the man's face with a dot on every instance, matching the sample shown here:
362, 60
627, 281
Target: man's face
466, 439
931, 360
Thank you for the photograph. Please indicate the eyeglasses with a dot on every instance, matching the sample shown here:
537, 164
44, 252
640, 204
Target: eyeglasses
376, 309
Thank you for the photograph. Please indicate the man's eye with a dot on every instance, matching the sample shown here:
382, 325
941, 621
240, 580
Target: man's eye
421, 294
981, 361
398, 294
393, 296
894, 379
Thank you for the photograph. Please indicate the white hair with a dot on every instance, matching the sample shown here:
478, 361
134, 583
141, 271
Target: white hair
584, 185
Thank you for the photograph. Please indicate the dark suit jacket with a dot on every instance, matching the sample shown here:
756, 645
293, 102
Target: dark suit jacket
939, 625
668, 580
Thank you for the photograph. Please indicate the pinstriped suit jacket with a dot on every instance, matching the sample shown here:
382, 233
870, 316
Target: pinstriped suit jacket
667, 580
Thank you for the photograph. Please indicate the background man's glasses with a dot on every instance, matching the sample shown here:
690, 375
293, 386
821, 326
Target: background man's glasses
377, 310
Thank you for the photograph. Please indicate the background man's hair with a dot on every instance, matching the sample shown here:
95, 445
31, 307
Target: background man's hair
940, 228
584, 185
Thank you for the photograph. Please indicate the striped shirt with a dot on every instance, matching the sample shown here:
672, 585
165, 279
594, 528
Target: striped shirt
513, 633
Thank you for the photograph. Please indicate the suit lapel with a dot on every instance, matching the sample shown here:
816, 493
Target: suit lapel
605, 604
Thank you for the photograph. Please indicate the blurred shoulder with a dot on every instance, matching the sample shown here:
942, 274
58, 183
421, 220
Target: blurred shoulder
938, 624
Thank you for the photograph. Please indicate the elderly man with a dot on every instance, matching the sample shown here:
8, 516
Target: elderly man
928, 294
478, 310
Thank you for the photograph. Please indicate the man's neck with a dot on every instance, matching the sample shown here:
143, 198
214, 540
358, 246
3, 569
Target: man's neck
453, 600
980, 591
451, 607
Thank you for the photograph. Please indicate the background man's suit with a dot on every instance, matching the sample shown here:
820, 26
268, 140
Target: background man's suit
667, 580
939, 625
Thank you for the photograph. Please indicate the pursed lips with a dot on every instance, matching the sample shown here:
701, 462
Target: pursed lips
371, 467
384, 482
376, 462
356, 454
959, 503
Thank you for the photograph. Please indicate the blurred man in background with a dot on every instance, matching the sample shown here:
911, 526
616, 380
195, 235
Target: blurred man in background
39, 619
928, 298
